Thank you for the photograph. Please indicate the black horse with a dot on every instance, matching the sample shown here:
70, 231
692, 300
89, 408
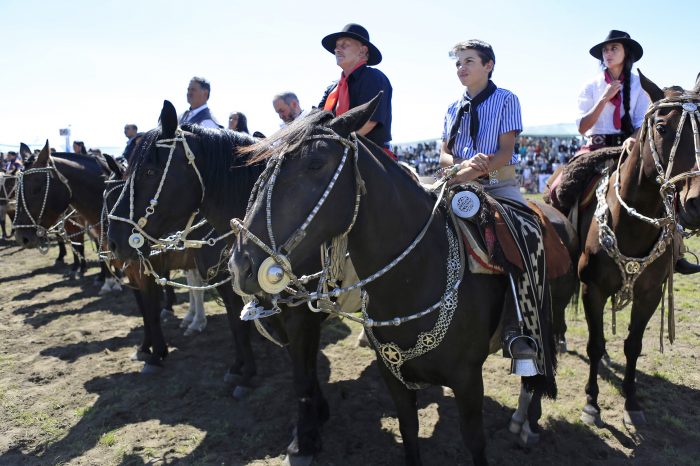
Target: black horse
391, 214
227, 181
655, 188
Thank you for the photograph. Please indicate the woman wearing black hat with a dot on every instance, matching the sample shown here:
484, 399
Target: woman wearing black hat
612, 109
612, 105
359, 83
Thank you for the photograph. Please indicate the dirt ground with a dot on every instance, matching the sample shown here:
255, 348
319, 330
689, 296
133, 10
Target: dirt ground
70, 395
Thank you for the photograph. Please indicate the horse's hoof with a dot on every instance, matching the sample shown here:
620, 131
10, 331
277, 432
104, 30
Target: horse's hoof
516, 423
634, 418
298, 460
232, 377
104, 289
196, 326
591, 416
185, 323
139, 355
241, 392
527, 436
151, 369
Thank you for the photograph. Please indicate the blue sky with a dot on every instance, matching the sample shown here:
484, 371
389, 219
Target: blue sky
96, 65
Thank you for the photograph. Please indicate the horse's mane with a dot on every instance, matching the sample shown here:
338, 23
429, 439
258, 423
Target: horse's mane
89, 162
221, 151
290, 138
577, 173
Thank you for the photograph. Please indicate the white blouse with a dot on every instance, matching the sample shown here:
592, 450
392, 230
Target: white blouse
591, 93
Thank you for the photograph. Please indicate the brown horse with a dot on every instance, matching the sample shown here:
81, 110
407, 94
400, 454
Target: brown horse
627, 238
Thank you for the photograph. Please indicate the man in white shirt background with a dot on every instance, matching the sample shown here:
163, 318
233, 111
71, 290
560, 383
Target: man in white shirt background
198, 93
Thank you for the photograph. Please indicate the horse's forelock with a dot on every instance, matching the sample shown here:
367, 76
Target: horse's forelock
141, 151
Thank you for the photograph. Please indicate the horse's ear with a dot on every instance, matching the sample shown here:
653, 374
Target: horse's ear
354, 119
696, 89
24, 151
114, 166
168, 120
655, 93
42, 159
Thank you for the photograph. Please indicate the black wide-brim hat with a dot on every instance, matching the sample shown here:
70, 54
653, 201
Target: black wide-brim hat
357, 32
621, 37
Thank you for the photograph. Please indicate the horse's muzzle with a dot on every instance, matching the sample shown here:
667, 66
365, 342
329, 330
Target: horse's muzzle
244, 273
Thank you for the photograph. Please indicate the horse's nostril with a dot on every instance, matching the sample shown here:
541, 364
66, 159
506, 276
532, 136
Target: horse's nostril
25, 240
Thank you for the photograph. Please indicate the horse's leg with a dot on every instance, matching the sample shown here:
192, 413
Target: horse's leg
643, 308
151, 300
407, 412
143, 351
530, 433
197, 318
520, 415
61, 252
470, 399
304, 333
244, 368
170, 299
593, 303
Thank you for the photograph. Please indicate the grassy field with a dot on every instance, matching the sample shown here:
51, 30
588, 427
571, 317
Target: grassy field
70, 395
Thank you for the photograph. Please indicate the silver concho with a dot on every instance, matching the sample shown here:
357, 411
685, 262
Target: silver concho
41, 232
271, 276
632, 268
465, 204
136, 240
391, 353
690, 107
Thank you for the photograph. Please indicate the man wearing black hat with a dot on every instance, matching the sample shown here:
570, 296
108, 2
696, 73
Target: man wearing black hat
359, 83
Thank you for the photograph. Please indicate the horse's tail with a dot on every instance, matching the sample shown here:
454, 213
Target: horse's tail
545, 383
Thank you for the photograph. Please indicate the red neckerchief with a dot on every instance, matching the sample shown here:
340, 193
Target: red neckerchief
340, 95
616, 100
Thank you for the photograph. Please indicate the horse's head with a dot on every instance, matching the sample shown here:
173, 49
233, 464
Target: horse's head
42, 197
307, 195
669, 149
162, 187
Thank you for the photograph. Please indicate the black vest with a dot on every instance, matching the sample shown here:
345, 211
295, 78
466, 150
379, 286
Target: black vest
203, 115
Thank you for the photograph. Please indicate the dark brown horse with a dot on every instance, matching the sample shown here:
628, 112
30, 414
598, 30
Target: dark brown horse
387, 215
629, 257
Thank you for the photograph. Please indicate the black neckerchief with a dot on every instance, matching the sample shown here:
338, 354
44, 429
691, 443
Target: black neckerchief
470, 105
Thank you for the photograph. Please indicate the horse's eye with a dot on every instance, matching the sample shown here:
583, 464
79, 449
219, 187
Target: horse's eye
661, 128
315, 163
150, 172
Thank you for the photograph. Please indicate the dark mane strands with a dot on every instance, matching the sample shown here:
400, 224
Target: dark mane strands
290, 138
214, 143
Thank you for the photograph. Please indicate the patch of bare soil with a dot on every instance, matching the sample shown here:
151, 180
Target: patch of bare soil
70, 395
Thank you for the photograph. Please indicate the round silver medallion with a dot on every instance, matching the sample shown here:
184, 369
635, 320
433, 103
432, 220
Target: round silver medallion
465, 204
41, 232
632, 268
690, 107
271, 276
136, 240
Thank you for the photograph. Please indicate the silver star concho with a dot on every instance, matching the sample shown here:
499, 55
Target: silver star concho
391, 353
428, 340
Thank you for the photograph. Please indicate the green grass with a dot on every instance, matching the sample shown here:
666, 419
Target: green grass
108, 439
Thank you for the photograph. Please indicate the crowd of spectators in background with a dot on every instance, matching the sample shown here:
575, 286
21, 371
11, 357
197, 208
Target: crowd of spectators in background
539, 157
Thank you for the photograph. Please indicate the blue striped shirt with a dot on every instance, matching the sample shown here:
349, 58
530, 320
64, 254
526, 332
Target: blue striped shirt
498, 114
